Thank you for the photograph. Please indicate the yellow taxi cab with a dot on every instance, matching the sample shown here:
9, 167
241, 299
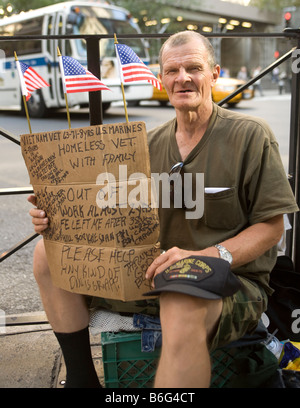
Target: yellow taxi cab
226, 86
223, 88
158, 95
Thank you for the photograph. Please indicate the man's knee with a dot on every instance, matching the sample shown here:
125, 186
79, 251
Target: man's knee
183, 316
40, 263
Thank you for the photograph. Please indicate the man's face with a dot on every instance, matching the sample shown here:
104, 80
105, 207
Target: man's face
187, 76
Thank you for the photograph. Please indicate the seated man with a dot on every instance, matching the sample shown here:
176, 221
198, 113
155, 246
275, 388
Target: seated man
242, 224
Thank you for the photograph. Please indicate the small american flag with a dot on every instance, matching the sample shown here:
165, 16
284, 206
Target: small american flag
132, 68
30, 79
77, 79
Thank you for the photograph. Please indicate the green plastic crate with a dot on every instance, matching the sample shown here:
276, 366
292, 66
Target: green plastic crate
126, 366
222, 367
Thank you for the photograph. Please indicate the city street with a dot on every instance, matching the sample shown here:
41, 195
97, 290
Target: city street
18, 290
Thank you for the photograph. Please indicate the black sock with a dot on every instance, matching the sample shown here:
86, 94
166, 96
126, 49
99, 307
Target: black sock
77, 354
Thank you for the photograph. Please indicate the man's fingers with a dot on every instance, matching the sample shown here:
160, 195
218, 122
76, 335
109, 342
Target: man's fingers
40, 228
165, 260
36, 213
32, 199
39, 219
156, 265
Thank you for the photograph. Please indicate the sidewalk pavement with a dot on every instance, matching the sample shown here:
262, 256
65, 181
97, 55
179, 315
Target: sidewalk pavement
30, 356
271, 93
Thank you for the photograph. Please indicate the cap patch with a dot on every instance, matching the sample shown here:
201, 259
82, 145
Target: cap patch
190, 269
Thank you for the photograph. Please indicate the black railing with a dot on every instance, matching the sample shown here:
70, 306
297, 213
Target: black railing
96, 117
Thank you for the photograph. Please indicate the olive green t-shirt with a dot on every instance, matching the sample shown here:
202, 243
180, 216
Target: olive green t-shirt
239, 155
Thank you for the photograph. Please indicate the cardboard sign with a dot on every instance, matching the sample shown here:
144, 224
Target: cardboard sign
94, 184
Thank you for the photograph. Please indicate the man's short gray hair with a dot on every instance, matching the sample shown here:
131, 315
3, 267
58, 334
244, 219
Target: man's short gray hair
183, 37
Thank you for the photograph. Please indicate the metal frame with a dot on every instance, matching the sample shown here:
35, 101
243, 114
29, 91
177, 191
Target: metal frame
96, 116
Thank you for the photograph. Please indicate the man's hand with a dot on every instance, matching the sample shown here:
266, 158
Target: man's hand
165, 259
39, 219
168, 258
173, 255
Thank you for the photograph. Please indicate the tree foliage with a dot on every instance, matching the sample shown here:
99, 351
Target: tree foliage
146, 12
25, 5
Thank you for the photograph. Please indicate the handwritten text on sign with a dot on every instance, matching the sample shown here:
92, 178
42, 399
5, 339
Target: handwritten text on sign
91, 249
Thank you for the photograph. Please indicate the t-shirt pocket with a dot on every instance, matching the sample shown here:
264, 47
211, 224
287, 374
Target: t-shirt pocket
222, 209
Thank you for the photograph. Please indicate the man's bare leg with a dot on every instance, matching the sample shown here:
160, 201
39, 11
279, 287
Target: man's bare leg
67, 312
69, 317
187, 323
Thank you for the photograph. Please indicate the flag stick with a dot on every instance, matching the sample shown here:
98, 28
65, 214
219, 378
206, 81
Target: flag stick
24, 96
122, 87
65, 93
27, 114
124, 101
68, 113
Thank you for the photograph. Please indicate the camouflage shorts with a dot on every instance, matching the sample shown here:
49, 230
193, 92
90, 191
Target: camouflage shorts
240, 315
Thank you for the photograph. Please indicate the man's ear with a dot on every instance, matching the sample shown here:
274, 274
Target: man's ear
216, 74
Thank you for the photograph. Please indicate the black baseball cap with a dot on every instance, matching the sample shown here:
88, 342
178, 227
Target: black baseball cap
201, 276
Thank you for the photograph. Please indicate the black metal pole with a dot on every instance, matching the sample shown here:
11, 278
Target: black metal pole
16, 190
260, 75
18, 246
93, 62
9, 136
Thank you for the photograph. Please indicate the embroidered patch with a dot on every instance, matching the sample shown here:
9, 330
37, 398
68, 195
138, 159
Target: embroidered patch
190, 269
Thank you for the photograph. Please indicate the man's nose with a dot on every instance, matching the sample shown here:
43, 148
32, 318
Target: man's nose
183, 75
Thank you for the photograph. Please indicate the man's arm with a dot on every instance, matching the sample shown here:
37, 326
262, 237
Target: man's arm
245, 247
254, 241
